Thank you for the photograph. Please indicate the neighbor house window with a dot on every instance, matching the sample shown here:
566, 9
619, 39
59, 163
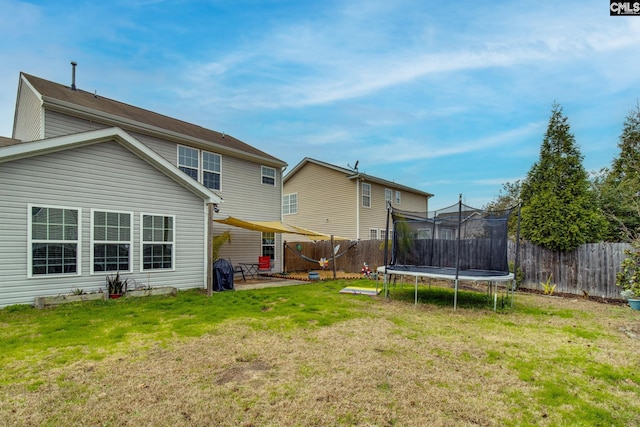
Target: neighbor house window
366, 195
158, 242
397, 197
383, 234
373, 234
203, 166
290, 204
111, 241
269, 245
387, 194
424, 233
446, 233
54, 235
268, 175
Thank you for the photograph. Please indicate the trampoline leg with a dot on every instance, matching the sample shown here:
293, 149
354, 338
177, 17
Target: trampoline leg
416, 297
455, 295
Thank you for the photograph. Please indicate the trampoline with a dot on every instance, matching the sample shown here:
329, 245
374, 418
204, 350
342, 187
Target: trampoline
457, 243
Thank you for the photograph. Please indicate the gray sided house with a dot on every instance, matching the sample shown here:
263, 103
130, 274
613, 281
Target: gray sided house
344, 202
91, 186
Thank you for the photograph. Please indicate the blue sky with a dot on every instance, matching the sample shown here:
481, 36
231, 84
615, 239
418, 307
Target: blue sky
446, 97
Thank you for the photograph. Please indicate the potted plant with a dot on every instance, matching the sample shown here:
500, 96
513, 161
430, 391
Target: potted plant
116, 286
628, 278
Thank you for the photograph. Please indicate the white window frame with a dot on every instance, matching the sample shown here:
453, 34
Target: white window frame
268, 173
383, 234
188, 165
388, 195
424, 233
32, 241
398, 197
144, 242
268, 240
110, 242
366, 195
199, 168
447, 233
218, 172
373, 234
289, 207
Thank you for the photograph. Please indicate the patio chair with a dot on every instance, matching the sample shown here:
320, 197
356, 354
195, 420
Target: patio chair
265, 265
238, 269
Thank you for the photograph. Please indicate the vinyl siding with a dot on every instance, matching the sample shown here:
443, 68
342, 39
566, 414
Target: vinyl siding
101, 176
244, 196
58, 124
326, 201
376, 216
28, 118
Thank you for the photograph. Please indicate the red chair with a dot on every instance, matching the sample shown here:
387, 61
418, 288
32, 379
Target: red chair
264, 265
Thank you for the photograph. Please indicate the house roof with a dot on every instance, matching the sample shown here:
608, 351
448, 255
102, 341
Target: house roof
85, 104
353, 174
52, 145
8, 141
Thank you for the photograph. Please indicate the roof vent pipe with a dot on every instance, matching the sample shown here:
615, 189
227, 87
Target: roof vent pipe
73, 75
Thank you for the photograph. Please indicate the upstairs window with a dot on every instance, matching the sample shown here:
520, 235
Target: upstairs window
211, 170
387, 194
54, 240
366, 195
188, 161
268, 175
203, 166
397, 197
290, 204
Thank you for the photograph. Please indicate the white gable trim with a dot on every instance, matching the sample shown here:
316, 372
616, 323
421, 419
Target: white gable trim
46, 146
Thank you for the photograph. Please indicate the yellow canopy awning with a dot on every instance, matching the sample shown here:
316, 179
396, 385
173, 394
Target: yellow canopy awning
275, 227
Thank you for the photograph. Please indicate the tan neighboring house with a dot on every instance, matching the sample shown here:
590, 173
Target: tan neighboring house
344, 202
90, 186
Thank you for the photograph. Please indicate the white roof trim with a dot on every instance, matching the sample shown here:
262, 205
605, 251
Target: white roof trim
52, 145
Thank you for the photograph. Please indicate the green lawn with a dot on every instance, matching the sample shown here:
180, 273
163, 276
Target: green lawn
307, 355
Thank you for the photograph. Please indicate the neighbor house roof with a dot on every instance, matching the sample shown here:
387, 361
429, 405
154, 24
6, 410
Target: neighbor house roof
51, 145
80, 103
353, 174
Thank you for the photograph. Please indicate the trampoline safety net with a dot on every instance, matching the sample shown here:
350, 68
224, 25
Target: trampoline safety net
459, 237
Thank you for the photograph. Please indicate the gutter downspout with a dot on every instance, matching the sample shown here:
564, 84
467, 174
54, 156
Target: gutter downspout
358, 208
209, 251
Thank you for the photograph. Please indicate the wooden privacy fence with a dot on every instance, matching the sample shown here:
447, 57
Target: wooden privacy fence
351, 261
588, 270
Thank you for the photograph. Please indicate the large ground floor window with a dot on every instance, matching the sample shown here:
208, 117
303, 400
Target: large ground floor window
55, 243
111, 241
157, 242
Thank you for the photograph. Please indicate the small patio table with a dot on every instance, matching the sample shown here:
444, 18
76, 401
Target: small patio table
251, 269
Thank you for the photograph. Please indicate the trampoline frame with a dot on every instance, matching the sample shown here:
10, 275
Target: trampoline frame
463, 275
452, 273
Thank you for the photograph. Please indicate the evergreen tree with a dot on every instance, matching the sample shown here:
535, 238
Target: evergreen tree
619, 188
508, 198
559, 209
